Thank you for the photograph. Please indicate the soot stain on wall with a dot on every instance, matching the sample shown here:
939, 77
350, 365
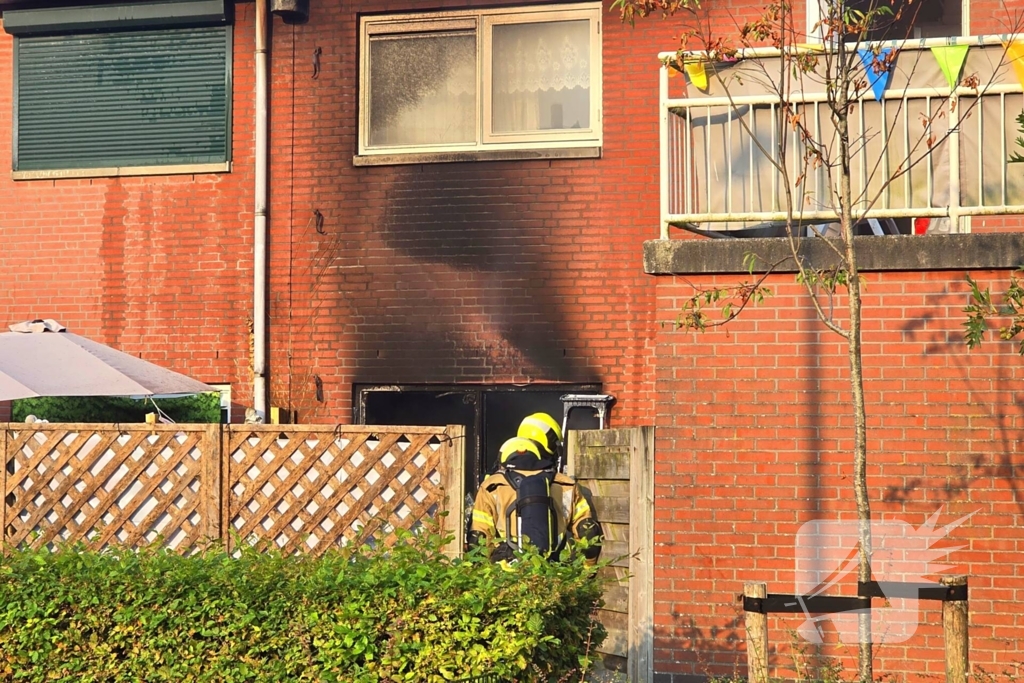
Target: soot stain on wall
479, 303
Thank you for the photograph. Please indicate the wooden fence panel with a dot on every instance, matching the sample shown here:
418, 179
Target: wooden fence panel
615, 467
307, 489
599, 460
299, 488
102, 485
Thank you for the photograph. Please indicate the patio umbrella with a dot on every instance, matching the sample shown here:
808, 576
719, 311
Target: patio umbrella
41, 358
11, 389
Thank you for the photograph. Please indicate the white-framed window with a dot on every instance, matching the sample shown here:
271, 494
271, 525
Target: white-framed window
479, 81
133, 88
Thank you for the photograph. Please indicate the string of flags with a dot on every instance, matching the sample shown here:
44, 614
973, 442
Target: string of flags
878, 65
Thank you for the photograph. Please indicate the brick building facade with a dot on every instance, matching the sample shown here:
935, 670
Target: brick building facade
531, 272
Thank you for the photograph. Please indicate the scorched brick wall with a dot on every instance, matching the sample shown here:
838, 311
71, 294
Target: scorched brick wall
490, 272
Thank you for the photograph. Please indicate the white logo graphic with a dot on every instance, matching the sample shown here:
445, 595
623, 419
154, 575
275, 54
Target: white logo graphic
827, 558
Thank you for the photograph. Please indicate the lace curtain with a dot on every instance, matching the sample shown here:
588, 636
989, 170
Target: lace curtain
541, 76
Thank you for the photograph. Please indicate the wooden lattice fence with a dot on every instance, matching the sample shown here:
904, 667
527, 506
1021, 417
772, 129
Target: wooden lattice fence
297, 488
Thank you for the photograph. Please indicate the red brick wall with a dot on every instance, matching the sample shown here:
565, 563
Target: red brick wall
994, 17
486, 272
159, 267
493, 272
754, 434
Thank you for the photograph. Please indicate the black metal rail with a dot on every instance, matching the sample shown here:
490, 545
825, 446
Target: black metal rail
782, 603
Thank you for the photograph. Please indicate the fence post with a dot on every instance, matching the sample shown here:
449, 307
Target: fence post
225, 485
453, 462
757, 636
954, 633
4, 439
211, 482
641, 556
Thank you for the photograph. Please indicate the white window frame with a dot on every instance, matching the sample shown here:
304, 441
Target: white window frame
225, 401
482, 21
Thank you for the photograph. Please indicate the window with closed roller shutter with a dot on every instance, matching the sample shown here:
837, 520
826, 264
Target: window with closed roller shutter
122, 99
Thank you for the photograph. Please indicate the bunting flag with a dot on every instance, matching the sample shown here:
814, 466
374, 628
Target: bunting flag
1015, 53
951, 60
878, 81
697, 75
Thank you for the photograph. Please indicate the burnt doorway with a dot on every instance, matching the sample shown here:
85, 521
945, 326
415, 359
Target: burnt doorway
490, 414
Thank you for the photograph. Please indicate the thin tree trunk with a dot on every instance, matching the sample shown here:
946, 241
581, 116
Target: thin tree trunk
864, 663
864, 673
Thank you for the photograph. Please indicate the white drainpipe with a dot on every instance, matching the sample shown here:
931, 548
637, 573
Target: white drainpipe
259, 292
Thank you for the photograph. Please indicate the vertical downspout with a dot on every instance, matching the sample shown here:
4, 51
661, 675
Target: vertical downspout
259, 292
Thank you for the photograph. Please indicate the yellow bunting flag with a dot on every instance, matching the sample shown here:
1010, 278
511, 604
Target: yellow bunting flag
810, 47
1015, 54
951, 60
695, 70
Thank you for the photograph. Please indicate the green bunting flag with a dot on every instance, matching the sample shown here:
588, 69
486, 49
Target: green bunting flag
951, 60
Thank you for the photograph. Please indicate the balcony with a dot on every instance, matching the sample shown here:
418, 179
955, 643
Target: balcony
921, 150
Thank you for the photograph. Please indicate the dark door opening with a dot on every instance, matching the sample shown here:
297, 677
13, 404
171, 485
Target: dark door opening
490, 414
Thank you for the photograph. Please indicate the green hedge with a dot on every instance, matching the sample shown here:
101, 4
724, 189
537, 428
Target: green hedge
356, 615
196, 409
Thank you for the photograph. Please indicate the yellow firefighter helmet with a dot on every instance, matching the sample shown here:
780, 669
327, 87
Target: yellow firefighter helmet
541, 428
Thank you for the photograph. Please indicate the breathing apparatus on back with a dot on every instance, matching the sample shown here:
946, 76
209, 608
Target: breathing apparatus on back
530, 516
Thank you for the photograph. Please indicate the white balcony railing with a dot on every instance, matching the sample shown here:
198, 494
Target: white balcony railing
924, 150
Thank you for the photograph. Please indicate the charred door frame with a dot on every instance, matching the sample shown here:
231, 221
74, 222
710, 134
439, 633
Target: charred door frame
476, 392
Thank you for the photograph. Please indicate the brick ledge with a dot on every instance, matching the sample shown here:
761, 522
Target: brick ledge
999, 251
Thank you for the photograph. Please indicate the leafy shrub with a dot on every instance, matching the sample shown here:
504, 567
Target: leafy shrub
197, 409
362, 615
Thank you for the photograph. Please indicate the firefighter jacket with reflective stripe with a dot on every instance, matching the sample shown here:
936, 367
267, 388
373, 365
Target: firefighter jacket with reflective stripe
496, 495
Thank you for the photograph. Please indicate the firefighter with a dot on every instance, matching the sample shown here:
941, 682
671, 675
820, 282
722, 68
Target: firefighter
528, 500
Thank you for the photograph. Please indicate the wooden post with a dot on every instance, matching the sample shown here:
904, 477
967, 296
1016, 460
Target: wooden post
954, 633
210, 482
757, 636
641, 556
225, 486
7, 457
453, 468
572, 446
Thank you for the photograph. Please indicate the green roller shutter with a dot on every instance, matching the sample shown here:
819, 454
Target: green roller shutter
122, 99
